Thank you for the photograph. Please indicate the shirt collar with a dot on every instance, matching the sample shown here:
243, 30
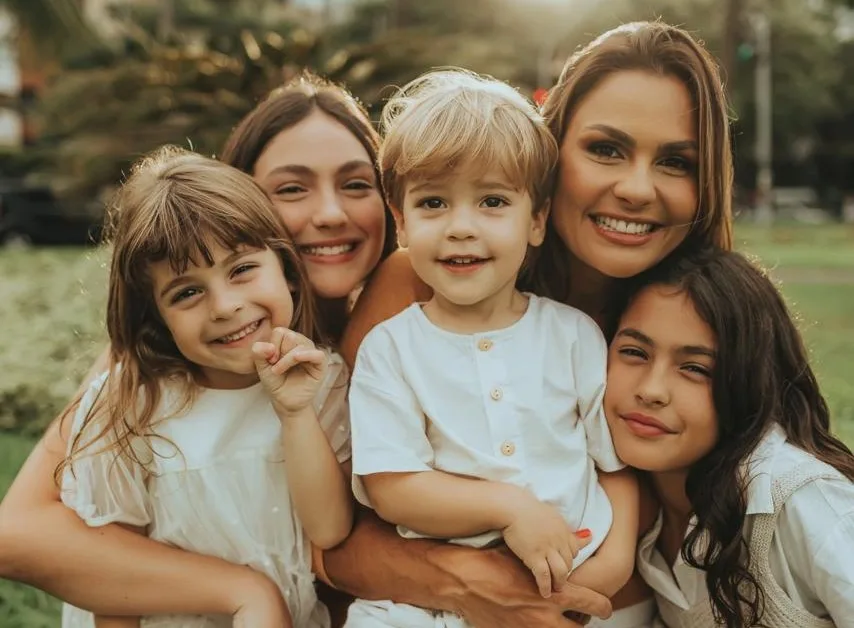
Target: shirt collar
757, 471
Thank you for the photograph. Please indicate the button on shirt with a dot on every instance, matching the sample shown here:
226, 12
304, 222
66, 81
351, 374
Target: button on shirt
521, 405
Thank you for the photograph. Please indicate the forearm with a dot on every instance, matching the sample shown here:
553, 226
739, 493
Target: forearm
319, 488
376, 563
439, 504
490, 588
111, 571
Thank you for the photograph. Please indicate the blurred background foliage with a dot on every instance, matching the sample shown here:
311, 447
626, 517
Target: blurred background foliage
185, 71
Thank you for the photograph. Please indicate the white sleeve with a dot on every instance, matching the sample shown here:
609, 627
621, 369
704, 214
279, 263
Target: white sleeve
589, 365
332, 408
101, 485
387, 422
816, 530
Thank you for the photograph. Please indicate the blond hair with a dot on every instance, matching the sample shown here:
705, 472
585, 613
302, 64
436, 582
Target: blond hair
173, 207
454, 119
664, 50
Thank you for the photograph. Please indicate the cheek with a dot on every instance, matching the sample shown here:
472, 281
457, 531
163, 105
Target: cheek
681, 199
295, 216
369, 215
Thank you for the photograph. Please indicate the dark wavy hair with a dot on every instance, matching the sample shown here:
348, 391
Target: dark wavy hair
761, 376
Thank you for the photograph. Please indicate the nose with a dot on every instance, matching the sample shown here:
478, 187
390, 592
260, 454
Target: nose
653, 390
223, 303
330, 213
461, 223
636, 189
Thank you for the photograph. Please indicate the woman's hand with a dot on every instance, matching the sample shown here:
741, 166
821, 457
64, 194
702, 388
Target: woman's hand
500, 593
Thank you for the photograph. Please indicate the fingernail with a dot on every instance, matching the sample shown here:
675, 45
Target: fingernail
584, 533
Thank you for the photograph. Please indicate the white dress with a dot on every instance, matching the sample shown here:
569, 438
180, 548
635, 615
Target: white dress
218, 488
521, 405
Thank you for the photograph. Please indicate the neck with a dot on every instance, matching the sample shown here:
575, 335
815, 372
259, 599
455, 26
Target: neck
670, 490
495, 312
588, 288
333, 316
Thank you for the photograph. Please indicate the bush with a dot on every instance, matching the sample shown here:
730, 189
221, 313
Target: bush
52, 308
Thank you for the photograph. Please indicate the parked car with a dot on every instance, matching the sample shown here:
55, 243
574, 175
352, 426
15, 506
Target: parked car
34, 215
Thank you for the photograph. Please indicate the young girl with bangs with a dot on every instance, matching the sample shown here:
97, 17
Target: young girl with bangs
220, 425
711, 394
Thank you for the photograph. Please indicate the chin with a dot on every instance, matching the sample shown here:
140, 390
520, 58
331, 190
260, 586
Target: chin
631, 265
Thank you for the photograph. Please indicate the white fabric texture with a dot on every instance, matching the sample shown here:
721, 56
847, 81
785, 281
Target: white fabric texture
805, 525
216, 486
521, 405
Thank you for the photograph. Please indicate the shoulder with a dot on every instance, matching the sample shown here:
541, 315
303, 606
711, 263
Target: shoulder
564, 315
567, 328
392, 288
785, 476
382, 344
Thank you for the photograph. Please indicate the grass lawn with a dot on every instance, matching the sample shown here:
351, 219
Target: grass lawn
51, 304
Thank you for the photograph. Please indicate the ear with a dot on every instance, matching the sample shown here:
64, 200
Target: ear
401, 226
539, 222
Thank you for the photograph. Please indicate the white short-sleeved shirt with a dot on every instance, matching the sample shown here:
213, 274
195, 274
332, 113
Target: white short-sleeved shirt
521, 405
812, 550
218, 489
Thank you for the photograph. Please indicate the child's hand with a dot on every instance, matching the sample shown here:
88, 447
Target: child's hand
541, 538
290, 368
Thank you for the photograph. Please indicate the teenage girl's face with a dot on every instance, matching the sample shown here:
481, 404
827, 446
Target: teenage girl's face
659, 394
626, 192
215, 313
322, 181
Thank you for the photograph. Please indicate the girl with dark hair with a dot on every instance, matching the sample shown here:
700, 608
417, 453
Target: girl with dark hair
710, 392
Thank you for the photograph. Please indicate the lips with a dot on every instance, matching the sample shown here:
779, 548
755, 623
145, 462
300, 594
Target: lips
463, 260
645, 425
328, 249
627, 227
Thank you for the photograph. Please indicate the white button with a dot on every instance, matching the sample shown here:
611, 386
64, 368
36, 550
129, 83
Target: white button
508, 448
496, 394
484, 344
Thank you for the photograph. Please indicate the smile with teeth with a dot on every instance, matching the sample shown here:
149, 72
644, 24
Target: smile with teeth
463, 260
624, 226
242, 333
337, 249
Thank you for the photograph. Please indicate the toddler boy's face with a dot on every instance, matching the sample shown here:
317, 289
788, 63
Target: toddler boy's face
468, 234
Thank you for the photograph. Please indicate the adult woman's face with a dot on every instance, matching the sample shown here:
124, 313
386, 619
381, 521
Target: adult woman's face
322, 181
627, 181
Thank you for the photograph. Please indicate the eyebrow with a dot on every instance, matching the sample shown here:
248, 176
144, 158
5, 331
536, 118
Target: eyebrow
628, 140
641, 337
183, 278
299, 169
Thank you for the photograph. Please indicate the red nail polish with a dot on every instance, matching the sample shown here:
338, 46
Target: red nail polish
584, 533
